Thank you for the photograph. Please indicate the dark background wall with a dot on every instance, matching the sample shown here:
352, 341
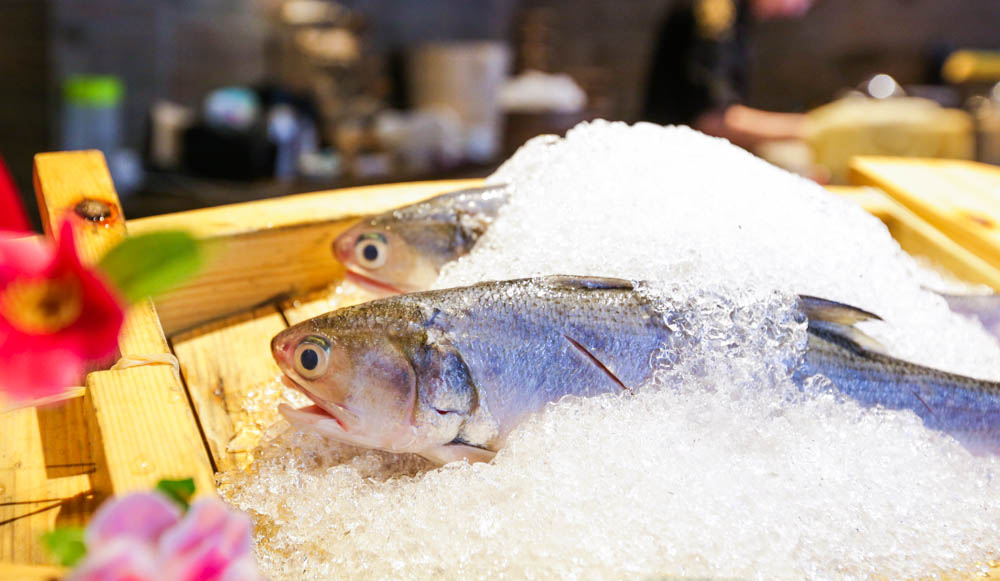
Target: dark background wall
24, 90
180, 49
800, 64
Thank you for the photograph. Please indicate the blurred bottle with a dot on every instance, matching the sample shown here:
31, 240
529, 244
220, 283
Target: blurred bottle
91, 119
91, 113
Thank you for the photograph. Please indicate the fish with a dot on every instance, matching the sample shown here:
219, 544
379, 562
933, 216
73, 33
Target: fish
403, 250
449, 374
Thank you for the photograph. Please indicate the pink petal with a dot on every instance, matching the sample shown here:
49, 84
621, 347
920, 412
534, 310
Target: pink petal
94, 335
140, 516
120, 560
20, 254
30, 371
242, 570
206, 543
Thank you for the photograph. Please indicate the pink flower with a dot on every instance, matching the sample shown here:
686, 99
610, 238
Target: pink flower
55, 315
142, 537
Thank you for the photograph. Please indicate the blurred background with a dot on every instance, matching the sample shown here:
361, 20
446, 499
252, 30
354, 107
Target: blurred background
206, 102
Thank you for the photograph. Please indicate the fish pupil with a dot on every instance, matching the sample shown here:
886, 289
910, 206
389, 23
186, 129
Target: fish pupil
309, 359
370, 252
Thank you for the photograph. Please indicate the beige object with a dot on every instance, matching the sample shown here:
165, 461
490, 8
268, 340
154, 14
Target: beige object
972, 66
905, 127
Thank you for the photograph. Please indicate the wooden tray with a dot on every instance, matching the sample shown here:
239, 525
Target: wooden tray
126, 429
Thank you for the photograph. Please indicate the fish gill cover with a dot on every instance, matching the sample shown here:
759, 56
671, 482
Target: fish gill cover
722, 466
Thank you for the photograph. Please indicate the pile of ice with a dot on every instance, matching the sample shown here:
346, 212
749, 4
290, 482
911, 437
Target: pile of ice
723, 467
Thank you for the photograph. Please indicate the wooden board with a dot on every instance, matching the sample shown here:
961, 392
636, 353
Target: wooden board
919, 239
231, 375
15, 572
959, 198
46, 466
272, 249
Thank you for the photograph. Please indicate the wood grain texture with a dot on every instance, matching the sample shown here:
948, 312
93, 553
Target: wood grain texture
959, 198
233, 379
919, 239
46, 467
144, 430
268, 250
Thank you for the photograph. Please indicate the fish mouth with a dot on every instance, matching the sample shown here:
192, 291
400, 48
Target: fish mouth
313, 414
372, 285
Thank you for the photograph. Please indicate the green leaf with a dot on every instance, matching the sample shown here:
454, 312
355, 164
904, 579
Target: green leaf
179, 491
148, 264
66, 545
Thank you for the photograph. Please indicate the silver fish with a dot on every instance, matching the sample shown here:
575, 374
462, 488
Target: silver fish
404, 249
448, 374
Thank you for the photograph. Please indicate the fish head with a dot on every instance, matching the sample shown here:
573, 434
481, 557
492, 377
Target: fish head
360, 380
392, 258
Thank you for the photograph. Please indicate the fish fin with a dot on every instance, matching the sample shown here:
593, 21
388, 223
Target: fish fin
854, 339
835, 321
566, 281
833, 312
597, 362
456, 452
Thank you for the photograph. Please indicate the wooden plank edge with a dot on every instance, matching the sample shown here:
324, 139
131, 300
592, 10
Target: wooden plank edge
143, 429
949, 254
310, 208
864, 172
23, 572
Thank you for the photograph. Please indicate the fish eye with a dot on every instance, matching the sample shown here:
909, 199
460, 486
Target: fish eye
371, 250
311, 357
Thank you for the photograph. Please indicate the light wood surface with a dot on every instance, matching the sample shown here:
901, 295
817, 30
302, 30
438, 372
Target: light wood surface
46, 467
269, 250
228, 369
961, 199
17, 572
919, 239
144, 430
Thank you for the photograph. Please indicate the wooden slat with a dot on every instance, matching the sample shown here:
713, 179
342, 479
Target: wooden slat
959, 198
140, 426
269, 249
45, 476
144, 431
17, 572
232, 380
918, 238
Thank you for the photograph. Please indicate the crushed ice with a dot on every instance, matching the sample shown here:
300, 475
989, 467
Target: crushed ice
723, 467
